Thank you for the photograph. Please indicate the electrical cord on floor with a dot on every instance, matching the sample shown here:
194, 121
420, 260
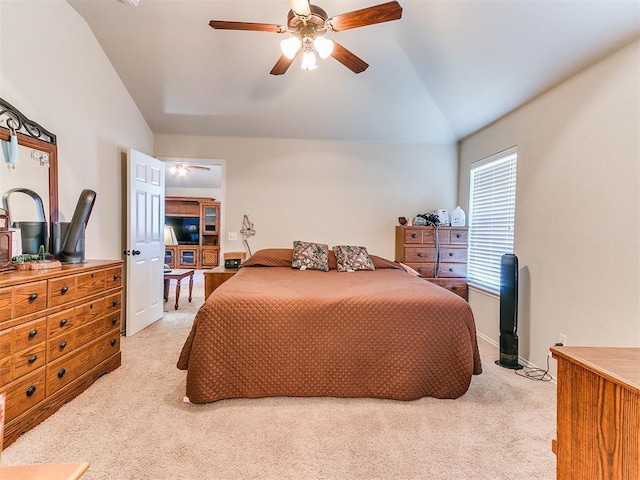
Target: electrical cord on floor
536, 373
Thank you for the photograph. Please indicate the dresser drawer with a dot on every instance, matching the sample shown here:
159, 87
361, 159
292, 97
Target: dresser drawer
113, 303
113, 278
6, 340
89, 312
412, 235
453, 254
457, 286
29, 334
61, 344
424, 269
62, 290
90, 283
112, 321
6, 303
72, 366
459, 236
28, 360
29, 298
420, 254
61, 322
24, 393
6, 374
453, 270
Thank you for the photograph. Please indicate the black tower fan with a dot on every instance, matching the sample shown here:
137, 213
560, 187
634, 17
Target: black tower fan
509, 312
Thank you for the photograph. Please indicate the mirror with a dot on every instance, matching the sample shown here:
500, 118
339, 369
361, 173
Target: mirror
36, 170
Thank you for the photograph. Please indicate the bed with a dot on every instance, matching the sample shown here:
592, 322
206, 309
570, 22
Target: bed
274, 330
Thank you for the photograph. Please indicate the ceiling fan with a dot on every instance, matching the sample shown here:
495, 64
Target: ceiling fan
182, 169
308, 24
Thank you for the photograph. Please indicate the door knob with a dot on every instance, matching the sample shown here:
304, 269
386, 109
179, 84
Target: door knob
135, 252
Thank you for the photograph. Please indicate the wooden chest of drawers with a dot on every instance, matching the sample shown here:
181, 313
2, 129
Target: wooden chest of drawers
441, 260
598, 413
59, 332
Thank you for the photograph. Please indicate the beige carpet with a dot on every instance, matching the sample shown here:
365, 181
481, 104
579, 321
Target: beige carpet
133, 424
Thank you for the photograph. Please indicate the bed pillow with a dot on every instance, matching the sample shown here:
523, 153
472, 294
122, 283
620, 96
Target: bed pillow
351, 258
270, 257
310, 256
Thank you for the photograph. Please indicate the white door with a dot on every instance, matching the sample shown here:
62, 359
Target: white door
145, 241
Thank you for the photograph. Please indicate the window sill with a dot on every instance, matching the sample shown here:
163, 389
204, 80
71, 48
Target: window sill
484, 290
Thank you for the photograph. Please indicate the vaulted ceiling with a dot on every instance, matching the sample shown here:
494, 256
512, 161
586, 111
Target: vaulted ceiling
446, 69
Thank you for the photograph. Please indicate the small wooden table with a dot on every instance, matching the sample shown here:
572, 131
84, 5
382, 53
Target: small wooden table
215, 277
177, 275
62, 471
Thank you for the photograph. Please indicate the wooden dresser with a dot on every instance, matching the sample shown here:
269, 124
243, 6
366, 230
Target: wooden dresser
443, 263
59, 332
598, 419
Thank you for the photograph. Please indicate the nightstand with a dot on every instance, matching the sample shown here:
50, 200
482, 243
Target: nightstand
215, 277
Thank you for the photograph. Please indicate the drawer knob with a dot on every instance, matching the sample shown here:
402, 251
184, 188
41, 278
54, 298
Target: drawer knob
63, 322
33, 297
451, 254
61, 373
414, 235
114, 303
114, 320
116, 276
113, 342
63, 345
454, 287
31, 390
64, 290
33, 333
450, 269
33, 358
420, 254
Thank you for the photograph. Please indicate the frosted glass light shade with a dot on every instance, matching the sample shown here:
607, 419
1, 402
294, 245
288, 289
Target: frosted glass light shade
290, 47
309, 61
301, 7
323, 46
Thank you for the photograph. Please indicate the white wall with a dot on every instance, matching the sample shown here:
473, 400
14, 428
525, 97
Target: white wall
577, 209
329, 192
53, 69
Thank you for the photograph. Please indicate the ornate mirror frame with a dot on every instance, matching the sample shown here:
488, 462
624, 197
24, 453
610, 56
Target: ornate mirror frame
32, 135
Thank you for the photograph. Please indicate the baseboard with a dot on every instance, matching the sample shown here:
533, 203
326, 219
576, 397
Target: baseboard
521, 360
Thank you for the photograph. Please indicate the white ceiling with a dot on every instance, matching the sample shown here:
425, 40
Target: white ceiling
446, 69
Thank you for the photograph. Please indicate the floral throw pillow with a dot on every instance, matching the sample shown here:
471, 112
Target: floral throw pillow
352, 258
310, 256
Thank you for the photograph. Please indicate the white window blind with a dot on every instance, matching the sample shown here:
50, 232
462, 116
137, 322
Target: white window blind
492, 206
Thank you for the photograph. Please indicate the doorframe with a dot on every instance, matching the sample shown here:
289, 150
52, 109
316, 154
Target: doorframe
222, 163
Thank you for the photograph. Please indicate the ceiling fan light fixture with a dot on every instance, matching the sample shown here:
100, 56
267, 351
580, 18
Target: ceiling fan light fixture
301, 8
309, 61
290, 47
323, 46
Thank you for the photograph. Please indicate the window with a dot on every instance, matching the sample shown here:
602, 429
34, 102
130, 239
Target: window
492, 205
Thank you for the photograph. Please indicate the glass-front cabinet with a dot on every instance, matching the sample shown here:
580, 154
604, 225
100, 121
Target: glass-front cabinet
196, 224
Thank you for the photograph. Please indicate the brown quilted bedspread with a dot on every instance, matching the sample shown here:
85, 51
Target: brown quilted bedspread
277, 331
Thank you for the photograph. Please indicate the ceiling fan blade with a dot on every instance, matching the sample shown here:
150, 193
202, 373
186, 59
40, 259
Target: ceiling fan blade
384, 12
301, 7
282, 65
198, 167
256, 27
348, 59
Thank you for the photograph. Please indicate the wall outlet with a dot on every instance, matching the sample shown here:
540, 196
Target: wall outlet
232, 236
562, 338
